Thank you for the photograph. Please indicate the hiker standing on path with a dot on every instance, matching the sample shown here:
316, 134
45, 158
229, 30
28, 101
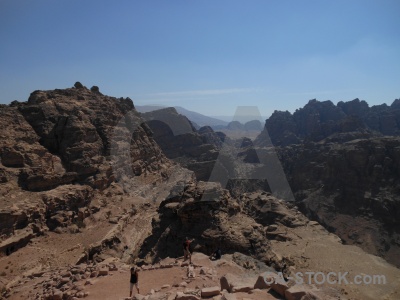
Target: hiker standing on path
134, 280
186, 249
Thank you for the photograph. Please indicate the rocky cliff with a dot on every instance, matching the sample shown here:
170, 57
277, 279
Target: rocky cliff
352, 188
78, 126
86, 189
263, 227
194, 149
63, 154
342, 164
344, 121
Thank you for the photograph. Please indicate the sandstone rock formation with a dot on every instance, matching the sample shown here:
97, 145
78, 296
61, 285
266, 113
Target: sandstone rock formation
253, 125
319, 120
77, 125
195, 149
276, 234
358, 181
67, 157
86, 191
235, 125
341, 165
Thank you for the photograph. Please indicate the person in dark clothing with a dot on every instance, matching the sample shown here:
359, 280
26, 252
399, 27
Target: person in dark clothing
216, 255
134, 281
186, 249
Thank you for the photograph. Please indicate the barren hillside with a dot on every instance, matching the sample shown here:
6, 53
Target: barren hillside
86, 192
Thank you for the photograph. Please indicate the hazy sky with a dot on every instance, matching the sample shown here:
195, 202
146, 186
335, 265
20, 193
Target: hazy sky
206, 56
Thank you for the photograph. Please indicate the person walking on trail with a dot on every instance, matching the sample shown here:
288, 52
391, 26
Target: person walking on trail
186, 249
134, 281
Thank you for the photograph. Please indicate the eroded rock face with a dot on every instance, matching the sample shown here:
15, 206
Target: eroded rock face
59, 171
22, 156
62, 149
350, 187
319, 120
180, 141
67, 205
357, 180
209, 214
235, 125
342, 164
253, 125
78, 126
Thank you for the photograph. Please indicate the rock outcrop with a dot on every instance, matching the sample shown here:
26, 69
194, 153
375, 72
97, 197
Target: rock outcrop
216, 219
253, 125
86, 191
194, 149
343, 122
235, 125
358, 181
342, 164
78, 126
276, 235
61, 152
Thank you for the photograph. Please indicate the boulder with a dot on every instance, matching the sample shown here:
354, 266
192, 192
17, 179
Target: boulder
228, 296
78, 85
12, 158
57, 295
183, 296
233, 283
280, 287
300, 292
103, 271
210, 292
201, 260
263, 281
95, 89
158, 296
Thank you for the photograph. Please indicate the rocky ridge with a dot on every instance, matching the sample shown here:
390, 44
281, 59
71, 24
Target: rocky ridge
342, 122
270, 235
194, 149
73, 159
357, 180
88, 195
342, 164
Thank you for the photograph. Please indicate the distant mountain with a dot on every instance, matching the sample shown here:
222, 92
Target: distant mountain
241, 118
235, 125
323, 120
199, 119
148, 108
253, 125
